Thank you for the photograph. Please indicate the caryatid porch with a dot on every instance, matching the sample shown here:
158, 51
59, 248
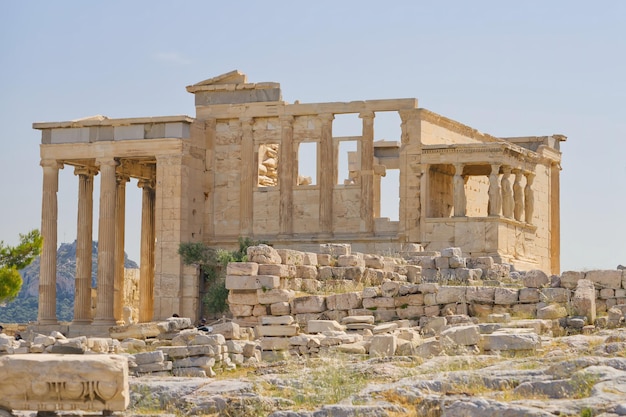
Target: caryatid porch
151, 150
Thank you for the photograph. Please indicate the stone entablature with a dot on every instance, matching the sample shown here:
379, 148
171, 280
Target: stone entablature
236, 169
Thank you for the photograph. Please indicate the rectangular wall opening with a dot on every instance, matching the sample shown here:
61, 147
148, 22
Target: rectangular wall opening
307, 163
268, 165
389, 195
348, 162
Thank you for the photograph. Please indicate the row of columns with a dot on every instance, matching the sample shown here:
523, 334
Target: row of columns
510, 200
111, 224
288, 174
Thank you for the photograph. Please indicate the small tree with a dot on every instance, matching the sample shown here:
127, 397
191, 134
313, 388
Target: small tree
212, 264
15, 258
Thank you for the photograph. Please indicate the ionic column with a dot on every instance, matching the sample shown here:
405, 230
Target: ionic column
460, 201
507, 193
120, 224
146, 266
84, 245
529, 198
495, 198
367, 172
328, 176
248, 165
48, 262
286, 175
518, 196
106, 242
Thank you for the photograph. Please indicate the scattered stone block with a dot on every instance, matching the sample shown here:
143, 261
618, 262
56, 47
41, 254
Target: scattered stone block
448, 294
506, 296
263, 254
450, 252
279, 270
554, 295
64, 382
465, 335
275, 295
535, 279
569, 279
551, 312
229, 330
291, 257
242, 268
344, 301
507, 340
584, 300
274, 343
611, 278
308, 304
278, 330
320, 326
529, 295
383, 345
254, 282
280, 309
480, 294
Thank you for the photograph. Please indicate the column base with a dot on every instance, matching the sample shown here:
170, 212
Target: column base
46, 322
81, 322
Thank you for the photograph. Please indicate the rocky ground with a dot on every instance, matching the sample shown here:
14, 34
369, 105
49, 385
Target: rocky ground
570, 375
577, 375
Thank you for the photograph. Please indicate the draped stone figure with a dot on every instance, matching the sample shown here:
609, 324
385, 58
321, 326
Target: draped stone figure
495, 200
529, 198
507, 193
518, 196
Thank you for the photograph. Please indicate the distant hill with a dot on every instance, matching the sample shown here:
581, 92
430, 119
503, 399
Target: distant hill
24, 308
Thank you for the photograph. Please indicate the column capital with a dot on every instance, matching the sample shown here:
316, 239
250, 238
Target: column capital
417, 168
368, 114
51, 163
122, 177
458, 168
246, 121
145, 183
326, 117
406, 115
86, 170
530, 176
110, 162
506, 169
286, 119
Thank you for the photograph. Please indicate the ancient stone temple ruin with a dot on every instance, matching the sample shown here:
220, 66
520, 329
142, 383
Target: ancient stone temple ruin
235, 170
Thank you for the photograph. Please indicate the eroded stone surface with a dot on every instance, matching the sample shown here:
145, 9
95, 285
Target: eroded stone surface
64, 382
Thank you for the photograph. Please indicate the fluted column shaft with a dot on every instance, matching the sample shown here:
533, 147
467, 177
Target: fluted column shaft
84, 245
106, 243
328, 176
460, 201
120, 224
146, 267
248, 165
286, 175
48, 261
495, 197
367, 172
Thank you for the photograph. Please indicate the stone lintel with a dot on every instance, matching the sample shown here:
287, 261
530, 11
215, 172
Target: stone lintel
105, 121
279, 108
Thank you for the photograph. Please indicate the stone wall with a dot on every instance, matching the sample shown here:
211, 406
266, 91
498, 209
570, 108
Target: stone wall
337, 283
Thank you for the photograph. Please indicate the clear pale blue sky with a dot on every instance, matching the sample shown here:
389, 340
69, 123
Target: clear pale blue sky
505, 68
